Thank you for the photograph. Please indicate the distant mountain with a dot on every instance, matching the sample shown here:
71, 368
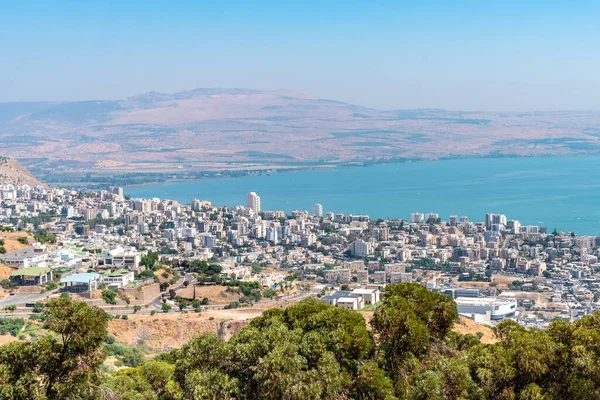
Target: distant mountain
12, 172
216, 128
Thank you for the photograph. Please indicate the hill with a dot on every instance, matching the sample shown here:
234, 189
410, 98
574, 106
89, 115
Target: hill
12, 172
240, 128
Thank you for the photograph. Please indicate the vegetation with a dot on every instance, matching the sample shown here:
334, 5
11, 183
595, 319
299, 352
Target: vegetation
311, 350
64, 364
43, 236
109, 296
11, 325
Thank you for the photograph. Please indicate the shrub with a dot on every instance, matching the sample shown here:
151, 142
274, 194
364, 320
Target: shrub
109, 296
11, 325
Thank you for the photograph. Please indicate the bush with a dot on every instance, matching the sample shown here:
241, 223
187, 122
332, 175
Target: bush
125, 317
136, 308
109, 339
6, 284
166, 307
109, 296
233, 304
11, 325
23, 240
51, 286
38, 307
152, 312
2, 250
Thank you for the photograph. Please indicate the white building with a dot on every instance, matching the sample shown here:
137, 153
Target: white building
253, 201
497, 308
317, 210
417, 218
360, 248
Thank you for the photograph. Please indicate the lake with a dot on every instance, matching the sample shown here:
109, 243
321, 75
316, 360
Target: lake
557, 192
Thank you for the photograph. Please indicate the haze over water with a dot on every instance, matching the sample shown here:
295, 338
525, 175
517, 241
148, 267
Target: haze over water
557, 192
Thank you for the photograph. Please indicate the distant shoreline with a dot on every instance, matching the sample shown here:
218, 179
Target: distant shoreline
129, 179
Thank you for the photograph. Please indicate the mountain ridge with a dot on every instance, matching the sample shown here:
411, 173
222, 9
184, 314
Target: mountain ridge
212, 128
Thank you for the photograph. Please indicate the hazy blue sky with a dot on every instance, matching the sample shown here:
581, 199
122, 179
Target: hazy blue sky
486, 55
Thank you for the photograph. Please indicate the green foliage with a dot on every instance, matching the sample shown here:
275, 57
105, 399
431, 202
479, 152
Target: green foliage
6, 284
23, 240
38, 307
11, 325
109, 296
311, 350
61, 365
409, 320
2, 249
128, 356
43, 236
149, 261
166, 307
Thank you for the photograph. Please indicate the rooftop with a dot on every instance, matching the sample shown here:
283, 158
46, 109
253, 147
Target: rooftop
80, 278
31, 271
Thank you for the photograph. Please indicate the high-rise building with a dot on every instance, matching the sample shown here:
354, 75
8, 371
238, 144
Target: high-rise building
317, 210
253, 201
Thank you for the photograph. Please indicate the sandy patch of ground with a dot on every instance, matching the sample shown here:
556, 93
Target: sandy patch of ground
166, 331
159, 274
8, 338
11, 242
216, 294
5, 272
465, 326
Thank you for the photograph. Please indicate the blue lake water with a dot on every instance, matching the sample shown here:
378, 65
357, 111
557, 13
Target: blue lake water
557, 192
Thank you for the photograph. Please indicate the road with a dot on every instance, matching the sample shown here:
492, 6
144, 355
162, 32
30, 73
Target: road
24, 298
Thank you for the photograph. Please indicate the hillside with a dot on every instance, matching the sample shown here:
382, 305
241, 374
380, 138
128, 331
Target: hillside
240, 128
12, 172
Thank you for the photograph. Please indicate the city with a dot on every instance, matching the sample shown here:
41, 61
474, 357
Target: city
131, 255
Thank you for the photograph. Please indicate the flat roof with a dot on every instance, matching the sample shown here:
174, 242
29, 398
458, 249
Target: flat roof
483, 300
81, 278
347, 299
31, 271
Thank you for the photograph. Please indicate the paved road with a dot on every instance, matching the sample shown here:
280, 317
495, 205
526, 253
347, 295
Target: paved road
24, 298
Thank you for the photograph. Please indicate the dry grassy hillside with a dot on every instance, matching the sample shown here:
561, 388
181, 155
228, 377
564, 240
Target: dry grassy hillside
12, 172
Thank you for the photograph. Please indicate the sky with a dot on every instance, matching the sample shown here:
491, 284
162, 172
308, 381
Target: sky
457, 55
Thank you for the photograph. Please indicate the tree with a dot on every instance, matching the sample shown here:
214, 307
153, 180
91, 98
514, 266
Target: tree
60, 365
408, 321
109, 296
166, 307
136, 308
182, 305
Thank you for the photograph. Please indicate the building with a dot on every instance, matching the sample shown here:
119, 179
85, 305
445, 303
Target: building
361, 249
33, 276
317, 210
417, 218
400, 277
78, 283
253, 201
369, 296
496, 308
379, 277
122, 258
118, 278
31, 256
